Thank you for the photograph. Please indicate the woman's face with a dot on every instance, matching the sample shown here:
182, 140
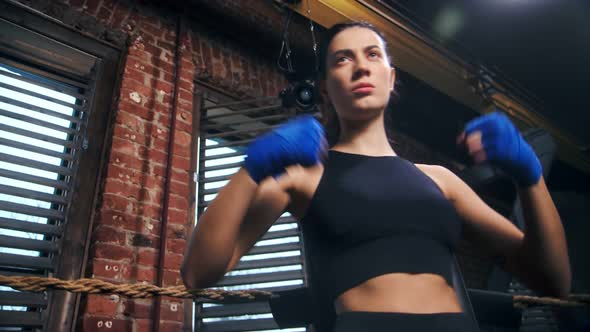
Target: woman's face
359, 78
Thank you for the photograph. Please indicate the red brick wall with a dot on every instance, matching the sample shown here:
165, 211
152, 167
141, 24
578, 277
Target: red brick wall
126, 234
128, 230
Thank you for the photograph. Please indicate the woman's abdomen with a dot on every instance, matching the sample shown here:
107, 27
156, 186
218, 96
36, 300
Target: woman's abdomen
400, 292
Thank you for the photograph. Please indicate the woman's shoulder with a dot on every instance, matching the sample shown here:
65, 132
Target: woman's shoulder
434, 169
303, 182
442, 176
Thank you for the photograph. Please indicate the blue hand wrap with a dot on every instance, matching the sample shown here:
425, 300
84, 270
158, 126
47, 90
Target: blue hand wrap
298, 141
505, 147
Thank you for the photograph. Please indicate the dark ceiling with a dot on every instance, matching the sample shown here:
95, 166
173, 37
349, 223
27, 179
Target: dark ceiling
541, 45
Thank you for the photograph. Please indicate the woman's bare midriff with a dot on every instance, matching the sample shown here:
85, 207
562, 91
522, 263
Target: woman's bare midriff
400, 292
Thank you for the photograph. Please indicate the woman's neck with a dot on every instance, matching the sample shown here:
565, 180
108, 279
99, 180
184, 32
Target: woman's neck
364, 137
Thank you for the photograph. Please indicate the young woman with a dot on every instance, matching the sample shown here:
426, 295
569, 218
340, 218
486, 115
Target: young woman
383, 229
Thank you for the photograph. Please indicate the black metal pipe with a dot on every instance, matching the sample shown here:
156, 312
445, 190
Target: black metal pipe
166, 194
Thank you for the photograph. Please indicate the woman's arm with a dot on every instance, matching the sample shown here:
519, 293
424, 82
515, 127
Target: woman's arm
251, 201
538, 257
212, 242
544, 247
240, 214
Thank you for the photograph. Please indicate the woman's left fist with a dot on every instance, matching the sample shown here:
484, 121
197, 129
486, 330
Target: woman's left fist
494, 137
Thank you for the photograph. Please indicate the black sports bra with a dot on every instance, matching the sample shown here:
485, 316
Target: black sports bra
375, 215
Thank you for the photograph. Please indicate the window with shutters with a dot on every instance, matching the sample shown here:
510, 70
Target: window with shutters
55, 94
41, 131
276, 261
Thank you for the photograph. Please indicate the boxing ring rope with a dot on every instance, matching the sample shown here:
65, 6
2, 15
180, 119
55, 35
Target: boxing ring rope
96, 286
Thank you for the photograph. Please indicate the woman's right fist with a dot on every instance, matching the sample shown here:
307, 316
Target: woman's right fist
298, 141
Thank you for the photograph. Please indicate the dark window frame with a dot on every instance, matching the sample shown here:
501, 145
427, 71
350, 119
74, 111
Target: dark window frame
203, 91
102, 77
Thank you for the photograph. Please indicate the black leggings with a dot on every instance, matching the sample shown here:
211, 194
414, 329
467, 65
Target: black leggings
365, 321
